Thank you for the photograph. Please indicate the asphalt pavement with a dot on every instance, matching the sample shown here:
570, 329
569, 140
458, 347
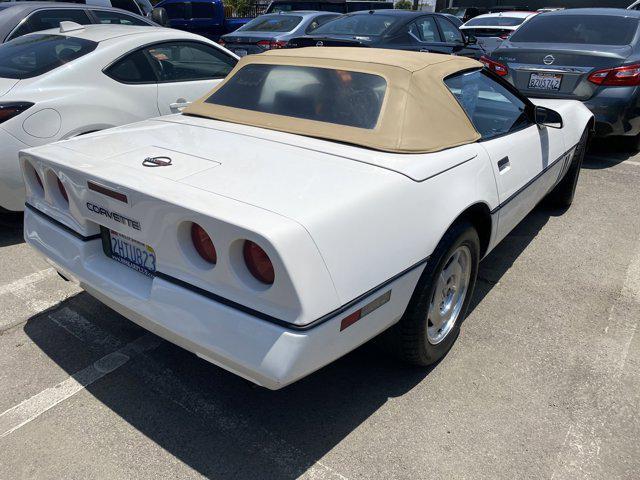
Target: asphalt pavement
544, 381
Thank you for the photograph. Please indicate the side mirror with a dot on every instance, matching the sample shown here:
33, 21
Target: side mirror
470, 39
547, 117
159, 15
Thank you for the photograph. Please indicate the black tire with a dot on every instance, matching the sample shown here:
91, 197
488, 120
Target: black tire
408, 338
562, 194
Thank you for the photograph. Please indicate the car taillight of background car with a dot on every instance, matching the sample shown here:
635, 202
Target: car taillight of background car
272, 44
625, 76
494, 66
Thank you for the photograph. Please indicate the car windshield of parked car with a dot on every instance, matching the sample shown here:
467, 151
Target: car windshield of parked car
457, 12
577, 29
33, 55
357, 25
322, 94
272, 23
495, 22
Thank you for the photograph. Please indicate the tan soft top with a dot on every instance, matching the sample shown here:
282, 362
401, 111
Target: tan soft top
419, 113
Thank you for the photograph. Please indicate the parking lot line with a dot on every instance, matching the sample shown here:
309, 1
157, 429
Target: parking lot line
26, 282
582, 443
631, 286
30, 295
85, 331
211, 412
165, 382
31, 408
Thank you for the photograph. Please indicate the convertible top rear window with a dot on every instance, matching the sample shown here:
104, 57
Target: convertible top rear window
33, 55
327, 95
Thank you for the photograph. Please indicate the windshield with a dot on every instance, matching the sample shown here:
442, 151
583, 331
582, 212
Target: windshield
580, 29
322, 94
272, 23
357, 25
457, 12
495, 22
33, 55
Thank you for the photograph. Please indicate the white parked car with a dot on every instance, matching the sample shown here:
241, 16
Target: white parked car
313, 200
492, 29
77, 79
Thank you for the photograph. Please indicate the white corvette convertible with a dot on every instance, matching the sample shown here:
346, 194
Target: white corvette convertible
62, 83
314, 199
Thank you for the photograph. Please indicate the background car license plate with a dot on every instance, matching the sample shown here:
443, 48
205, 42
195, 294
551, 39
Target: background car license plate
545, 81
129, 252
240, 52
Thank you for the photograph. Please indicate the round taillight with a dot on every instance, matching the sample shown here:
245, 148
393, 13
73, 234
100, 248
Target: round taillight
258, 262
63, 191
203, 244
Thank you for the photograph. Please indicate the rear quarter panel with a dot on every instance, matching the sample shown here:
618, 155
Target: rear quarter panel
380, 234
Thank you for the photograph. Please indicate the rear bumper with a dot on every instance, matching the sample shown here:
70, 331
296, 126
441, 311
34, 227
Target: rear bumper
265, 353
616, 111
12, 192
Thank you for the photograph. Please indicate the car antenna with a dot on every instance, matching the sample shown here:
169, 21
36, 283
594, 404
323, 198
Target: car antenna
67, 26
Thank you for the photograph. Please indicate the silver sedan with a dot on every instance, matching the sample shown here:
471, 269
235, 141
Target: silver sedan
274, 30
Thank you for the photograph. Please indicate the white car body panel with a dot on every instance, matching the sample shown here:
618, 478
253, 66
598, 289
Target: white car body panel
78, 98
345, 228
6, 84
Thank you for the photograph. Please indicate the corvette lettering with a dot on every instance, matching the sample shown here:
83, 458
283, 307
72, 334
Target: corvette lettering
113, 216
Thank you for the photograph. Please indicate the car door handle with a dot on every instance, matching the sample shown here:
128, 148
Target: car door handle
503, 163
179, 105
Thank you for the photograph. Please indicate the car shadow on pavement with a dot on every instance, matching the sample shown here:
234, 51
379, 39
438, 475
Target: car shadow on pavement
11, 229
607, 153
223, 426
496, 264
215, 422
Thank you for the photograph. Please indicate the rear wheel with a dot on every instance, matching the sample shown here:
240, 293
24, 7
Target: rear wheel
563, 193
440, 301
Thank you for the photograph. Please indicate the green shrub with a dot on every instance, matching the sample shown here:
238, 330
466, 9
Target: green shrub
404, 5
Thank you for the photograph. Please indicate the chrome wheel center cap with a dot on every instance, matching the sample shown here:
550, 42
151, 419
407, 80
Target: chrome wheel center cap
449, 295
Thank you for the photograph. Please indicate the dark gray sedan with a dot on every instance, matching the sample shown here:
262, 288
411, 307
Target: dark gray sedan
592, 55
274, 30
393, 29
20, 18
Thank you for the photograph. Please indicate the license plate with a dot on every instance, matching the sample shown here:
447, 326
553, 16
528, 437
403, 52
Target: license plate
129, 252
545, 81
240, 52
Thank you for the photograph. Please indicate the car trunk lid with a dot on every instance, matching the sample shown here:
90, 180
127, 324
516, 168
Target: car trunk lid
247, 43
286, 166
572, 64
333, 41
